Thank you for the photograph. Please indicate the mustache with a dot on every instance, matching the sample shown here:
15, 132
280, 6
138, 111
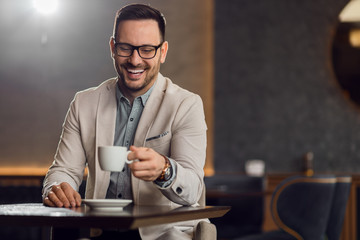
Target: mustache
129, 65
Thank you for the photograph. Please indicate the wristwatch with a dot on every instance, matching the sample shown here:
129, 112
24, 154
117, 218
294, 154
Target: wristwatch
166, 172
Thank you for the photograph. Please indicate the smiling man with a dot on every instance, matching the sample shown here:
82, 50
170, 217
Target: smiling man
138, 69
162, 124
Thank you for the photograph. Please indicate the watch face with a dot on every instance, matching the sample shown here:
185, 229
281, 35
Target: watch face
167, 174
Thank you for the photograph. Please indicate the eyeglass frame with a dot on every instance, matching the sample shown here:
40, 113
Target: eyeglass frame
136, 48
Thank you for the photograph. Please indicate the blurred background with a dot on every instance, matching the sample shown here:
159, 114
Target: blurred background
278, 78
280, 81
275, 77
47, 57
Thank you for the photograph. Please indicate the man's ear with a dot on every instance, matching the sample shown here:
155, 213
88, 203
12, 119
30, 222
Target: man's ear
112, 46
163, 49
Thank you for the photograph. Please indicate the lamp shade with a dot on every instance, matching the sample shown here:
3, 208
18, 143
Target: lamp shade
351, 12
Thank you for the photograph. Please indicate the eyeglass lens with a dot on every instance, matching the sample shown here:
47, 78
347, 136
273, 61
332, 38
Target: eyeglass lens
126, 50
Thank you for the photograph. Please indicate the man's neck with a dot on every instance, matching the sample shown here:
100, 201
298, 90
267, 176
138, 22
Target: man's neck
131, 95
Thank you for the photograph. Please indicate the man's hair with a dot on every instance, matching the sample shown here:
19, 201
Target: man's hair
140, 12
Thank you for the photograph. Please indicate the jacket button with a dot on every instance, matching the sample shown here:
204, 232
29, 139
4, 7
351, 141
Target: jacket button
178, 190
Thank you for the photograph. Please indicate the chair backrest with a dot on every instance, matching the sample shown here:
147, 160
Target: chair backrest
245, 196
301, 205
338, 208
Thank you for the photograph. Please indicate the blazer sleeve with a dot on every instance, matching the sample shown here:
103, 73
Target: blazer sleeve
69, 161
188, 150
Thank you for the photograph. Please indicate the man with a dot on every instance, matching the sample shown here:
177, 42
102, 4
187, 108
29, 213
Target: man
162, 124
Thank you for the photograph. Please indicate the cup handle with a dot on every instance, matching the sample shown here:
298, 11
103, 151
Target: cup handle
127, 160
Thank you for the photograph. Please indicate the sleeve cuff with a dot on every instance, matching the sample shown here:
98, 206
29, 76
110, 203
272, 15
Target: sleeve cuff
165, 184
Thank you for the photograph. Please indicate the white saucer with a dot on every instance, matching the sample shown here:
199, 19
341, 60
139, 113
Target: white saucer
107, 204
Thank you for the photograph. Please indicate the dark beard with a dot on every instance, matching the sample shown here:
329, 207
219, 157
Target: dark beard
147, 80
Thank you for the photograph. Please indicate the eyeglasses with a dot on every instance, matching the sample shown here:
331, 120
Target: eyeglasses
144, 51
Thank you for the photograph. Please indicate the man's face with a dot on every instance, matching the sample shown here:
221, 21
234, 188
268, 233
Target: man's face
136, 74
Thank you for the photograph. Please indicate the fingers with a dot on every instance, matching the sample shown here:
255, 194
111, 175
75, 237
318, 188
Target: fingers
150, 165
144, 155
62, 195
51, 203
52, 199
72, 196
140, 153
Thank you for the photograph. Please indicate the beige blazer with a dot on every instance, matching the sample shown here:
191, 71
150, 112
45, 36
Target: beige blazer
172, 113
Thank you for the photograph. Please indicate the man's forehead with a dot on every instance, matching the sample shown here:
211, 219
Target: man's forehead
146, 26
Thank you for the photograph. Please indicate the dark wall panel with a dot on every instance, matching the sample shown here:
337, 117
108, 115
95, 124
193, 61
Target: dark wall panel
276, 95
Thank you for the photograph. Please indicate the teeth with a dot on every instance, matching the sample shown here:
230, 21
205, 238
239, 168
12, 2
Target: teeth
136, 71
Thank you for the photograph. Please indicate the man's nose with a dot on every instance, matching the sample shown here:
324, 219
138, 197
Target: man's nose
135, 58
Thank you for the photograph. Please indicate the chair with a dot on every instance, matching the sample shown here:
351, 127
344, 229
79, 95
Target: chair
300, 207
245, 196
205, 231
338, 208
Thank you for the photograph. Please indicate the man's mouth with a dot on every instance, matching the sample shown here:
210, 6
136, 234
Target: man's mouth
135, 73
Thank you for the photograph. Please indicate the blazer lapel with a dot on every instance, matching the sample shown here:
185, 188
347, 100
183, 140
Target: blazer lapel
105, 130
150, 111
145, 123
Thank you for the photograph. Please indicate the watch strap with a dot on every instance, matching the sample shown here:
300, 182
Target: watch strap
163, 176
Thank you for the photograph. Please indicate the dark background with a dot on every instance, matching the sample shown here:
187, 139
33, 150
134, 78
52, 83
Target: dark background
276, 94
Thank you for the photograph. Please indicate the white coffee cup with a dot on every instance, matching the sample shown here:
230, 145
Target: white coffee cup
113, 158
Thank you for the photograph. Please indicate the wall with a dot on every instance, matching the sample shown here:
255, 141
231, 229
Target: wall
276, 95
46, 59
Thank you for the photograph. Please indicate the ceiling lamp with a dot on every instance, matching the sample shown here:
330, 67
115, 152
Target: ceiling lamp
351, 12
46, 6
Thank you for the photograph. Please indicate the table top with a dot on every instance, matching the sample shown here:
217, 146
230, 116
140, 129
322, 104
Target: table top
131, 217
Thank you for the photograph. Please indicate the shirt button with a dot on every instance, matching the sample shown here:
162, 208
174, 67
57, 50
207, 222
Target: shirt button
178, 190
131, 119
119, 195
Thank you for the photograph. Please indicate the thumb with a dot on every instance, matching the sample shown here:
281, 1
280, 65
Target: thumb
133, 148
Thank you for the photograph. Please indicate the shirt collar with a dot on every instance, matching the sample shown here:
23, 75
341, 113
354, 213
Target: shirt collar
143, 97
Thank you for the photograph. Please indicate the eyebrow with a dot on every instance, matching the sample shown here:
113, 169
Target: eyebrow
153, 45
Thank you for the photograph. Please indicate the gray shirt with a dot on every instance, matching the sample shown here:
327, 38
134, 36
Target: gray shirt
127, 119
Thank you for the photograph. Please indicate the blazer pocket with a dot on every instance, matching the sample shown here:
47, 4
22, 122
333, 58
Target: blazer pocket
160, 145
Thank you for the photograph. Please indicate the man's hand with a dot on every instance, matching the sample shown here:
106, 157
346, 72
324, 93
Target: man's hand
62, 195
150, 164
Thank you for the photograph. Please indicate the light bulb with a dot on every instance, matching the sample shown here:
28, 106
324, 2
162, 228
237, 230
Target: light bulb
46, 6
